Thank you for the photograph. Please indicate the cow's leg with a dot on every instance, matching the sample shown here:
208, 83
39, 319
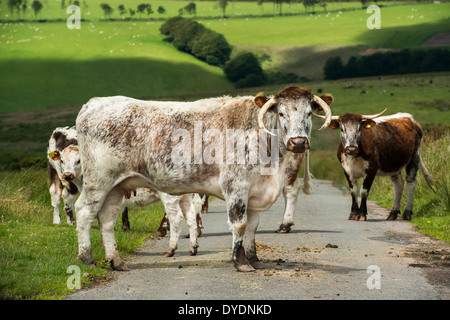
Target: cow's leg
55, 194
87, 208
411, 173
249, 239
199, 221
353, 185
365, 189
69, 200
290, 193
190, 214
205, 203
175, 216
163, 227
125, 221
398, 182
237, 219
107, 217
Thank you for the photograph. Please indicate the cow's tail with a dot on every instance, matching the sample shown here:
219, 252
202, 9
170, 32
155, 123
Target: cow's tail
426, 174
307, 186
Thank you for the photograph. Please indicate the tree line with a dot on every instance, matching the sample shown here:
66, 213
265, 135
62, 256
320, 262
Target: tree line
401, 62
20, 6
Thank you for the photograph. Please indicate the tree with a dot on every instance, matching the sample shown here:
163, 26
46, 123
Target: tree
211, 47
11, 5
36, 6
161, 10
223, 5
333, 68
191, 9
121, 9
310, 4
144, 7
260, 3
107, 9
132, 12
245, 70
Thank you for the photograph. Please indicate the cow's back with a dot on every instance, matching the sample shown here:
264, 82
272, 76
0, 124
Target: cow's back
394, 140
123, 135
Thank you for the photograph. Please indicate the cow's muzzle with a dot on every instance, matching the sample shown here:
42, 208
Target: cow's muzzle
298, 145
351, 150
68, 176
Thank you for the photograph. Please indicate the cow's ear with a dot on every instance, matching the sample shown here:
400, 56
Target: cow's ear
334, 124
328, 98
367, 124
54, 155
261, 100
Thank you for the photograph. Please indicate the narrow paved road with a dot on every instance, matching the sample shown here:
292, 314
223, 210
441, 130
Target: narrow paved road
324, 257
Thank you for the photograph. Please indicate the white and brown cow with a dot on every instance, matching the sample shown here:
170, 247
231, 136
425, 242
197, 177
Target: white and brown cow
372, 146
177, 207
178, 147
61, 138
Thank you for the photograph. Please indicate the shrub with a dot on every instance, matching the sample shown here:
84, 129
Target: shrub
333, 68
192, 37
211, 47
245, 70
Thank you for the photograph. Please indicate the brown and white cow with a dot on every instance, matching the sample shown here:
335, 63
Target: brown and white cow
177, 208
372, 146
178, 147
61, 138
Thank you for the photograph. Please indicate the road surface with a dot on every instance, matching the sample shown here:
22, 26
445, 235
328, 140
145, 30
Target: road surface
325, 256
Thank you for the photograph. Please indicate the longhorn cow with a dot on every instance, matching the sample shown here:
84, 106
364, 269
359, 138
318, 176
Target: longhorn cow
177, 147
372, 146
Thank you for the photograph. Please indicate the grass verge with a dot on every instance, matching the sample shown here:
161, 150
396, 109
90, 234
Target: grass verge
35, 254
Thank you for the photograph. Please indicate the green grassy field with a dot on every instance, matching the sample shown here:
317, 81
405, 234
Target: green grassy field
35, 254
204, 9
50, 65
49, 71
402, 26
46, 64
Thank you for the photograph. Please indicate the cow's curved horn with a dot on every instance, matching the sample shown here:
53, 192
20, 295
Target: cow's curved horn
374, 115
323, 117
326, 109
262, 112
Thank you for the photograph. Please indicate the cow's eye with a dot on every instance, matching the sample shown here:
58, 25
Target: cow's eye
281, 114
61, 161
78, 162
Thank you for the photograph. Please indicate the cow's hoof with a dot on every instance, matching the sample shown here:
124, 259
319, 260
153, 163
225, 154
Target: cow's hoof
353, 216
169, 253
244, 267
86, 258
118, 265
362, 218
393, 215
284, 228
407, 215
161, 232
192, 252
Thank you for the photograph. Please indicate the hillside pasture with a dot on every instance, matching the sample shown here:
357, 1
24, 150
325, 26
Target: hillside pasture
47, 65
